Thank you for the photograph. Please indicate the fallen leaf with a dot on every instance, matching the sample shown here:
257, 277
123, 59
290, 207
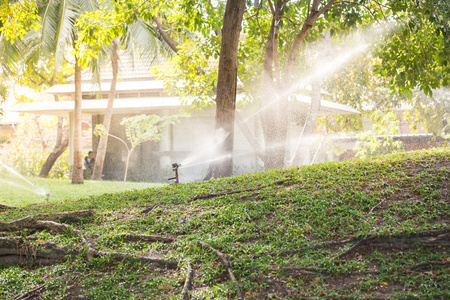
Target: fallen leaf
329, 210
384, 283
308, 228
165, 287
316, 279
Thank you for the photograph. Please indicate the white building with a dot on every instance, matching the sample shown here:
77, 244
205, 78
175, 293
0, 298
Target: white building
189, 142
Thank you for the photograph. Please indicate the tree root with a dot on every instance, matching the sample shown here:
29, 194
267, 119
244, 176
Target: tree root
379, 203
6, 207
430, 263
225, 262
187, 283
30, 294
302, 270
21, 250
213, 195
127, 237
120, 256
365, 238
401, 241
31, 221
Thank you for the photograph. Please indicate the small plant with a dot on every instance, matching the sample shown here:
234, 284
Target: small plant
139, 129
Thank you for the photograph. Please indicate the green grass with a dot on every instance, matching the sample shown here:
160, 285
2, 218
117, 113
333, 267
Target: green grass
269, 228
15, 191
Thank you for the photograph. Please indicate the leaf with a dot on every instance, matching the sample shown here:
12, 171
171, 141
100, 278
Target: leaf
165, 287
308, 228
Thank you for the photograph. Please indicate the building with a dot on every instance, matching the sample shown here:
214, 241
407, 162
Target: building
190, 142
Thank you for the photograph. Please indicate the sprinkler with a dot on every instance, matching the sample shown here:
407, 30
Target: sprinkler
175, 167
48, 197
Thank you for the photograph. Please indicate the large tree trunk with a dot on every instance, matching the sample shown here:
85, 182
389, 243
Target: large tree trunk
101, 149
226, 89
54, 155
77, 168
273, 104
60, 146
274, 109
302, 154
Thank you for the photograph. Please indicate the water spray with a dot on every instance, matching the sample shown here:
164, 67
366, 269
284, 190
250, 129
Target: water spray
175, 167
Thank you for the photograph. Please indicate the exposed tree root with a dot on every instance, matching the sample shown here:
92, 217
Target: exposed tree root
6, 207
379, 203
31, 294
19, 250
401, 241
146, 238
213, 195
120, 256
302, 270
354, 246
149, 209
185, 293
31, 221
430, 263
225, 262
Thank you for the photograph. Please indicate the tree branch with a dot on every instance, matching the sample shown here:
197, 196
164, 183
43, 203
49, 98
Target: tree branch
172, 44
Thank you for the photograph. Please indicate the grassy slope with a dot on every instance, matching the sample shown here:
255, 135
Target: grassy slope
277, 211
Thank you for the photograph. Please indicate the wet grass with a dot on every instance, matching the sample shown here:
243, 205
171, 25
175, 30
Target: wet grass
17, 192
272, 226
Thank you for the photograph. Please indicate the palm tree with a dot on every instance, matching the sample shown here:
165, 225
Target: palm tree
56, 36
147, 42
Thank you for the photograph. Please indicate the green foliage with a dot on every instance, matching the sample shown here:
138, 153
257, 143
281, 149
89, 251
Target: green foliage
189, 75
431, 112
28, 161
417, 55
142, 128
17, 18
379, 140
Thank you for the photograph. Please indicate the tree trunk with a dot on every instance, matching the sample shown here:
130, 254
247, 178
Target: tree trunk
302, 154
226, 89
273, 104
77, 168
51, 159
60, 147
274, 109
102, 145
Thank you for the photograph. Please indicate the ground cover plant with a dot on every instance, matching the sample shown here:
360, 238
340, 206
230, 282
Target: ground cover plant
373, 228
22, 191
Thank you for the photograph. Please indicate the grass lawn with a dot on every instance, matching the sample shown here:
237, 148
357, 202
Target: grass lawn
18, 192
360, 229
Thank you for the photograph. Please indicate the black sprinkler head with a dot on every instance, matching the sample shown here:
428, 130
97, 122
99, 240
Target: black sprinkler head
175, 167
